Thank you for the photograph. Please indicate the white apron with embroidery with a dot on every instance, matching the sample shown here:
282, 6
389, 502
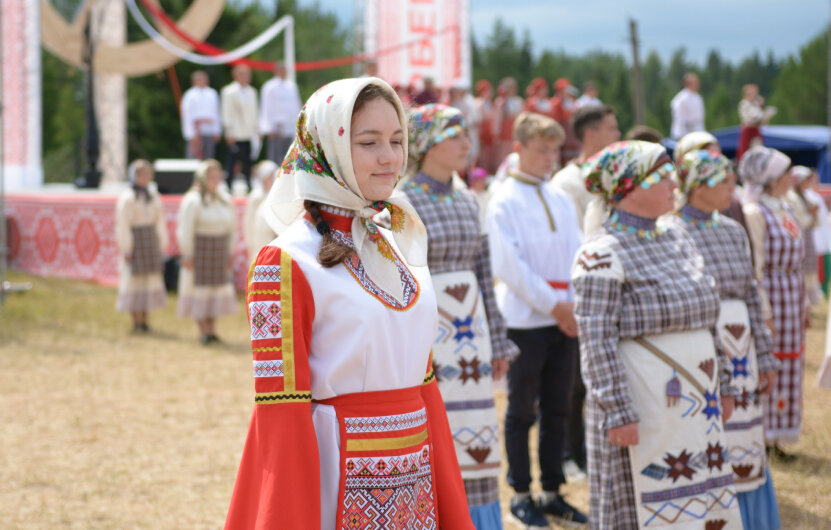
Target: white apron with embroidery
462, 362
745, 430
680, 471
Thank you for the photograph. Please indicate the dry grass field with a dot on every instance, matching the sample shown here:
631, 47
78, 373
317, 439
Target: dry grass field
105, 429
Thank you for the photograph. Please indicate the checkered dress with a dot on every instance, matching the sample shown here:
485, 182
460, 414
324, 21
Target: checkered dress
784, 285
210, 260
664, 290
146, 257
726, 252
456, 243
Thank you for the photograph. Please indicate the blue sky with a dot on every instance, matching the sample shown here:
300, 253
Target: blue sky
735, 27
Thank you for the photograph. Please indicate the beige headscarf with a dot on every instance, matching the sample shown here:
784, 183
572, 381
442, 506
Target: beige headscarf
318, 168
692, 142
759, 167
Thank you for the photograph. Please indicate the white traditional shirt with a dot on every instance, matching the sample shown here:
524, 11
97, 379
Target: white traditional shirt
587, 101
240, 112
752, 114
822, 231
687, 113
200, 104
534, 236
280, 106
572, 182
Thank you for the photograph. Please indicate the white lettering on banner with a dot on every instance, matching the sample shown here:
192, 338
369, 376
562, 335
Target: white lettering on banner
437, 30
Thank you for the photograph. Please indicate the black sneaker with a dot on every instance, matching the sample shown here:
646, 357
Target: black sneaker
563, 513
527, 513
774, 452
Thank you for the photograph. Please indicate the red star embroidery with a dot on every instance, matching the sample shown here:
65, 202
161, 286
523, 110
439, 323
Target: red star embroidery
679, 465
470, 370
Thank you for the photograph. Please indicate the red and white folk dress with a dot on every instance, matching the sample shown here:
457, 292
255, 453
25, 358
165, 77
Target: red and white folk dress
349, 429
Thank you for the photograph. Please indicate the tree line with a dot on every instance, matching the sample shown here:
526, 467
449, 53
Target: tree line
796, 85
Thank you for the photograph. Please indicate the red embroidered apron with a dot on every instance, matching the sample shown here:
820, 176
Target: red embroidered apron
386, 475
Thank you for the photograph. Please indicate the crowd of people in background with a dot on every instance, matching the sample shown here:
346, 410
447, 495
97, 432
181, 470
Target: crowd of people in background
612, 277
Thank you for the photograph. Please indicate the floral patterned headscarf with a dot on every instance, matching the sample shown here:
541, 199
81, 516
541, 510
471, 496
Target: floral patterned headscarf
318, 167
429, 125
701, 167
616, 170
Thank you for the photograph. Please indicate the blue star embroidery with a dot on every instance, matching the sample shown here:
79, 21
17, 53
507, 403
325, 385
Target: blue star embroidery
464, 328
711, 398
740, 366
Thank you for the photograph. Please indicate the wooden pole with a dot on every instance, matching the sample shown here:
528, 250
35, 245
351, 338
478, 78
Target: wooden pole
638, 99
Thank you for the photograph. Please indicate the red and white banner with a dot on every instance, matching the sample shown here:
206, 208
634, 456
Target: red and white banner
21, 96
73, 236
445, 57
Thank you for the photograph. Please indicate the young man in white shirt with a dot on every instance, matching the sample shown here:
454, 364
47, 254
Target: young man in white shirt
687, 108
595, 127
240, 112
200, 117
278, 115
534, 236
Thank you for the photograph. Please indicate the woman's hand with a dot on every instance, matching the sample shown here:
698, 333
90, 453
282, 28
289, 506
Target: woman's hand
187, 262
624, 435
769, 324
727, 403
500, 368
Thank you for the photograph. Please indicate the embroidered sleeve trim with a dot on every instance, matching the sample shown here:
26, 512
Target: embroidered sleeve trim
271, 398
289, 383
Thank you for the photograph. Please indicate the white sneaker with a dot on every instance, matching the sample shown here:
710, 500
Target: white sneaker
573, 472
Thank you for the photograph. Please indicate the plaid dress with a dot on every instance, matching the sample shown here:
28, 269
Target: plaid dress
457, 244
661, 288
783, 283
724, 244
141, 233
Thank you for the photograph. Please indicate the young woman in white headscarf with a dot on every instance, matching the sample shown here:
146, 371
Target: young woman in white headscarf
349, 428
207, 234
141, 236
656, 382
471, 349
706, 187
778, 255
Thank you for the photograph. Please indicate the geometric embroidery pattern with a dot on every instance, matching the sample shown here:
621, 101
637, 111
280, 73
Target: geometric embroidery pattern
356, 268
266, 273
697, 507
268, 368
265, 320
389, 492
395, 422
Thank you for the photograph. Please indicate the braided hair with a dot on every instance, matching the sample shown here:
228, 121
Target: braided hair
332, 252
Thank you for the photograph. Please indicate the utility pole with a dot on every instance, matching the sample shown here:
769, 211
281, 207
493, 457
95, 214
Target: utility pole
638, 100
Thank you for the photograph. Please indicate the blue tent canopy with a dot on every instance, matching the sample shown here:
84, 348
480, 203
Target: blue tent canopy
807, 145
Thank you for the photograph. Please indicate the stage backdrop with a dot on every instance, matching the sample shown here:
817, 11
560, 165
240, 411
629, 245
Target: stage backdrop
445, 58
73, 236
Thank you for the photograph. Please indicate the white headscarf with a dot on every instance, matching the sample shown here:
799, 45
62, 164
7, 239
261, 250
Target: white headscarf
801, 173
759, 167
319, 168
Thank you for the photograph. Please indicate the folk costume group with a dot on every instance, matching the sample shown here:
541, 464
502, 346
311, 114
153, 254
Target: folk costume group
377, 329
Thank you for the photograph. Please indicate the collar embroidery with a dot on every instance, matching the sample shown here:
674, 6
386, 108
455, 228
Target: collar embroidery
642, 227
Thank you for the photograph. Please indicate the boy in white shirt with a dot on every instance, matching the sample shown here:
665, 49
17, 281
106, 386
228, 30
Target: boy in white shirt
534, 235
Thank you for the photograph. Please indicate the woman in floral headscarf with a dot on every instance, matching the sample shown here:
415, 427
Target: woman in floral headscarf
646, 311
467, 355
349, 429
778, 254
707, 185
